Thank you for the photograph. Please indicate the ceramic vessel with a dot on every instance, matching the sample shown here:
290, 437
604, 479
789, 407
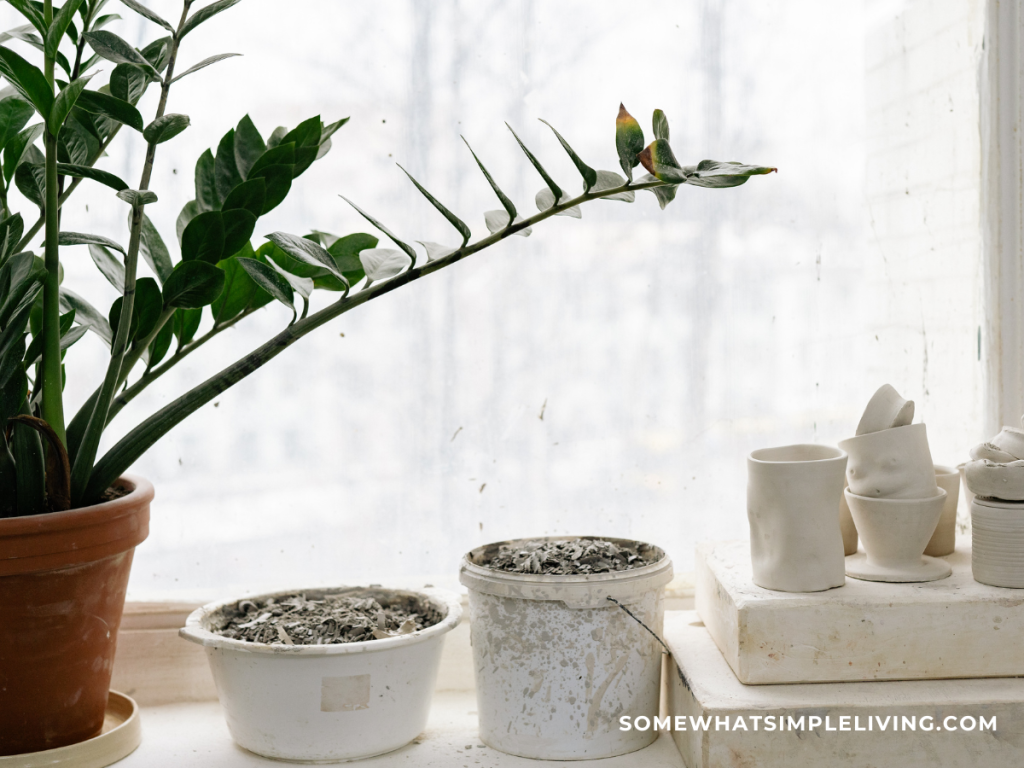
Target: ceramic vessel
943, 541
63, 578
1010, 441
325, 703
997, 549
894, 533
557, 663
995, 481
847, 526
793, 506
891, 464
885, 410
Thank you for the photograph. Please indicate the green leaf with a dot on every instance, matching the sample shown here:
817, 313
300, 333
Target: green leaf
346, 250
454, 220
116, 109
278, 180
276, 135
127, 83
238, 292
30, 179
189, 211
505, 202
556, 192
437, 251
76, 145
206, 183
664, 194
35, 349
11, 230
165, 128
203, 14
61, 22
20, 281
161, 344
249, 146
203, 64
660, 161
660, 125
610, 180
203, 238
267, 278
158, 53
29, 458
18, 150
383, 263
249, 196
282, 154
138, 197
102, 21
87, 172
405, 247
154, 251
27, 80
629, 141
193, 284
142, 10
79, 238
589, 174
31, 11
225, 172
545, 200
238, 228
306, 138
718, 175
15, 113
497, 221
109, 266
113, 48
305, 251
186, 323
269, 252
86, 314
146, 309
301, 285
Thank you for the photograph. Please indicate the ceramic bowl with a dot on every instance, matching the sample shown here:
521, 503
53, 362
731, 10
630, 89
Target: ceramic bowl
892, 464
885, 409
895, 533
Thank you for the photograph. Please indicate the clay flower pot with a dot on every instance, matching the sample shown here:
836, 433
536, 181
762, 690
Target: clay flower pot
894, 533
63, 578
793, 505
892, 464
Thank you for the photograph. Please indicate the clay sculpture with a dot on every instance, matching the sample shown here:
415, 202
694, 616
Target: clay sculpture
893, 495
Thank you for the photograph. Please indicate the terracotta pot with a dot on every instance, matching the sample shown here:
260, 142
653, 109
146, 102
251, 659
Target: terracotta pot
63, 578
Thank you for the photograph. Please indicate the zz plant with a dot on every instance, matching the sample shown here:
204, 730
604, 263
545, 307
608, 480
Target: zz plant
50, 464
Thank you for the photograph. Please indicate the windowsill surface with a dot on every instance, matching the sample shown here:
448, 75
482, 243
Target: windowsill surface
195, 734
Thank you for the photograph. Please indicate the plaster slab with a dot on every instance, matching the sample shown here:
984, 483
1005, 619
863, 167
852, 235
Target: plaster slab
953, 628
707, 688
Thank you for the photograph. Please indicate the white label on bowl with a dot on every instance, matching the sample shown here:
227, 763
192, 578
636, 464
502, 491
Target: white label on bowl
345, 694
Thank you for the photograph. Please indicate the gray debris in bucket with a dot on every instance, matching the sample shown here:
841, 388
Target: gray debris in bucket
568, 557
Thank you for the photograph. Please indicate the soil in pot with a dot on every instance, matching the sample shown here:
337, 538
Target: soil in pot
569, 557
324, 619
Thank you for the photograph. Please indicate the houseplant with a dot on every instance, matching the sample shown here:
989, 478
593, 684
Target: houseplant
51, 466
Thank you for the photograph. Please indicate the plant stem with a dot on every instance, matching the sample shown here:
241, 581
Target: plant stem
86, 455
143, 436
52, 378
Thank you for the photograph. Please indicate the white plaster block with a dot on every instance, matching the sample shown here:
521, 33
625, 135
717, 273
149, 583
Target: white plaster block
953, 628
708, 688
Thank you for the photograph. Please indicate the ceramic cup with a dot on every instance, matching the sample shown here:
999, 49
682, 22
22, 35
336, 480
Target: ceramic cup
943, 541
894, 533
884, 410
847, 526
997, 542
892, 464
793, 497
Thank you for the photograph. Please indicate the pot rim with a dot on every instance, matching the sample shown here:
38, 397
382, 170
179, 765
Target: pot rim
581, 578
888, 502
195, 630
142, 491
840, 454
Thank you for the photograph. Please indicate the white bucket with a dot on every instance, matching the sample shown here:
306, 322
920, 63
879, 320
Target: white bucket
325, 703
558, 664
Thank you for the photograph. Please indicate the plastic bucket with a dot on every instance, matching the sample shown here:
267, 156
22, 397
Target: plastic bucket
325, 703
557, 663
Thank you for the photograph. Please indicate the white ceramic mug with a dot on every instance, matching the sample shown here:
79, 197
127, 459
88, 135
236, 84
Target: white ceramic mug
793, 495
892, 464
